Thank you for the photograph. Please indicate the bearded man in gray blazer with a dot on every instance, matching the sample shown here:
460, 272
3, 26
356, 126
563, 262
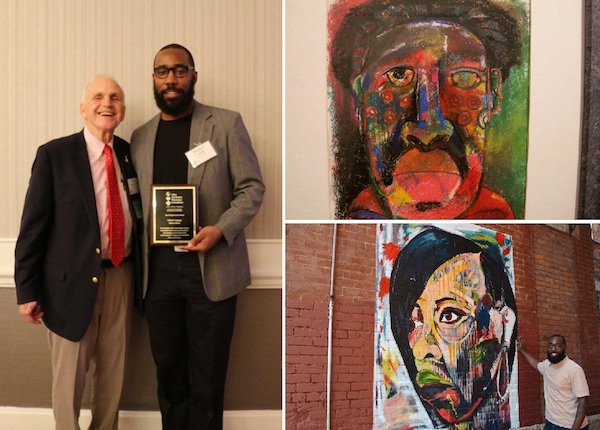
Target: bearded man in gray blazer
190, 290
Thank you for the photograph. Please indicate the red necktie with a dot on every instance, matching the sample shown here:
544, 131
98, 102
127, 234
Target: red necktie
116, 223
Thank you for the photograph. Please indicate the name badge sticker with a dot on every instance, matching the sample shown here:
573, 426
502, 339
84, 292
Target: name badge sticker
201, 154
133, 185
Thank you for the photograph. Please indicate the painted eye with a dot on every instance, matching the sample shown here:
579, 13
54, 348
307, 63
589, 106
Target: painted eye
400, 76
466, 79
415, 324
416, 319
451, 316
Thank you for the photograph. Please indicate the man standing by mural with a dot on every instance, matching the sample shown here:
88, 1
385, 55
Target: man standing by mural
565, 388
453, 318
422, 79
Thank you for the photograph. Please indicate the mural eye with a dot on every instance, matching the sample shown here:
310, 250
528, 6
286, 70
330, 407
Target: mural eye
416, 319
415, 324
466, 79
400, 76
452, 316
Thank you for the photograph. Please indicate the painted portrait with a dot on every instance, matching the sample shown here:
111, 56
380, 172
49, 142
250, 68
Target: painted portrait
428, 108
446, 324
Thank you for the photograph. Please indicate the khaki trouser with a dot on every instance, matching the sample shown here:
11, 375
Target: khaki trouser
105, 342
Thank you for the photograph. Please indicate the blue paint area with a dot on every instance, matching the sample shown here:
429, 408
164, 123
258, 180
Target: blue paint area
366, 82
485, 103
423, 103
438, 109
483, 316
366, 214
440, 116
396, 139
376, 150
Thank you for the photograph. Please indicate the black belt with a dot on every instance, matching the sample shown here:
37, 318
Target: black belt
107, 264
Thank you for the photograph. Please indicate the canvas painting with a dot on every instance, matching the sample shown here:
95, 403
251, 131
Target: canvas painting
445, 328
428, 108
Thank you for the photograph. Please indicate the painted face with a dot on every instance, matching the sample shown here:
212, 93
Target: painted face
103, 107
424, 100
454, 336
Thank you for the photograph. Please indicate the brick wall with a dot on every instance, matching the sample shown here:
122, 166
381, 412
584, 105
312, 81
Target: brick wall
587, 316
597, 271
308, 273
554, 280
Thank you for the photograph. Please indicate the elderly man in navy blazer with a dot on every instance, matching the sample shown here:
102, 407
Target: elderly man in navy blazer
75, 255
191, 295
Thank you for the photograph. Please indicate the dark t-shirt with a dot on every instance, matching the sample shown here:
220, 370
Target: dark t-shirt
172, 142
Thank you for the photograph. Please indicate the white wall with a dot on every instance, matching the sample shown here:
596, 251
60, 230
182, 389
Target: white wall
554, 122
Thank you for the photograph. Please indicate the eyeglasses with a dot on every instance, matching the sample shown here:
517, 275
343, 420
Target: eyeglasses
162, 72
555, 346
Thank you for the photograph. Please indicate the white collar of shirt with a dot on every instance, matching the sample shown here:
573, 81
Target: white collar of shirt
95, 146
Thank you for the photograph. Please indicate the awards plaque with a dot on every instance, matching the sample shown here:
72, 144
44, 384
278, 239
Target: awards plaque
174, 214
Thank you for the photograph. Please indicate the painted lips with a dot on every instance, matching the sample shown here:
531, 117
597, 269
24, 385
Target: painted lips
427, 176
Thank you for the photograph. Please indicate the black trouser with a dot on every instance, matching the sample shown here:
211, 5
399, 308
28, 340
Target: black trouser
190, 338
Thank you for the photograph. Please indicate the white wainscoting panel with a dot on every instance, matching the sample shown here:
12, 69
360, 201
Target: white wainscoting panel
42, 419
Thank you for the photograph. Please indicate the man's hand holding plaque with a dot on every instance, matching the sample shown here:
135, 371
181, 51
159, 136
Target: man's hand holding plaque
174, 214
206, 238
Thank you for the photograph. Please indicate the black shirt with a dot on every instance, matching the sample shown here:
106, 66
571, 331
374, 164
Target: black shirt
172, 142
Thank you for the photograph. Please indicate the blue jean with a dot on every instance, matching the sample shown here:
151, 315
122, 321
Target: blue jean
550, 426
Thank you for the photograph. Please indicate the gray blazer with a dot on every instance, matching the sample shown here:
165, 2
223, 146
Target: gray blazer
230, 193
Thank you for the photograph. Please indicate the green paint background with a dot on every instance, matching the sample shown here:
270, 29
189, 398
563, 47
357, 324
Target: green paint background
505, 154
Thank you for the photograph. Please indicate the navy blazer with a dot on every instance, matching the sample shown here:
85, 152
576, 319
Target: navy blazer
57, 255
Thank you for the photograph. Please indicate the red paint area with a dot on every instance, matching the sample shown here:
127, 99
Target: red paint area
460, 105
427, 176
390, 251
500, 238
464, 118
384, 287
387, 95
390, 116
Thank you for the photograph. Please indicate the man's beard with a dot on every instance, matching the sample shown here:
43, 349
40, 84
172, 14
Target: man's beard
557, 359
175, 107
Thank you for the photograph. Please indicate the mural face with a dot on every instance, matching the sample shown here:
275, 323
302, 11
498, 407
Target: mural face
446, 326
414, 87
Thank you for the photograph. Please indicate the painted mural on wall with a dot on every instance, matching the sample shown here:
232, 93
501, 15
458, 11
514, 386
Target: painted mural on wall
445, 329
428, 108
